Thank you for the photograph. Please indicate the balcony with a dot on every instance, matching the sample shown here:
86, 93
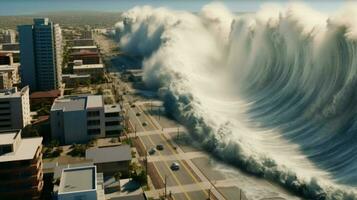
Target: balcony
14, 182
31, 167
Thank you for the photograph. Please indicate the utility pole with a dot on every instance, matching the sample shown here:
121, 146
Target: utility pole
165, 186
135, 130
146, 166
178, 132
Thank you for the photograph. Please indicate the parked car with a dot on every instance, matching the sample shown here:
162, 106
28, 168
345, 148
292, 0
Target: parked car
132, 105
152, 151
145, 123
160, 147
138, 114
175, 166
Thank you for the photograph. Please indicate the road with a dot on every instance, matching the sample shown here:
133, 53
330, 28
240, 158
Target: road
174, 179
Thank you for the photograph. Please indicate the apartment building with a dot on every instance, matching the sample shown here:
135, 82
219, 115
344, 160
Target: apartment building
14, 108
81, 118
41, 54
21, 175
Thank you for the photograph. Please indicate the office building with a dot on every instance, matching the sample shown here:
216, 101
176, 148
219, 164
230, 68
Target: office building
81, 183
41, 54
81, 118
14, 108
21, 175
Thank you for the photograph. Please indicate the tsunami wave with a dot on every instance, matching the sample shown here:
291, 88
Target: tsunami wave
272, 92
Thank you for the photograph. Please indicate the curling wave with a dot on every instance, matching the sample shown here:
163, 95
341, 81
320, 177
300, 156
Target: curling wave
272, 92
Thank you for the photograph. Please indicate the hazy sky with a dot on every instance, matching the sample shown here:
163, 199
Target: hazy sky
22, 7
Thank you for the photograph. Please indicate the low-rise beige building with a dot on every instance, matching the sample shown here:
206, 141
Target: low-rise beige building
94, 70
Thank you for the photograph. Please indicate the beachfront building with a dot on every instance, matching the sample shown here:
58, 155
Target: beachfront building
41, 54
21, 175
81, 118
14, 108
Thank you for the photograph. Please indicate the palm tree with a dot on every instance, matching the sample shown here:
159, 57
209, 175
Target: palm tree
117, 177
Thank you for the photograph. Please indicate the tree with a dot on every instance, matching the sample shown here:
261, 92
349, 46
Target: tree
117, 177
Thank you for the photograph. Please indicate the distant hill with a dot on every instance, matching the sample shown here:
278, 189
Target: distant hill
67, 18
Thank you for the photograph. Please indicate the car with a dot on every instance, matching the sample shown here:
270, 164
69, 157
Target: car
175, 166
132, 105
152, 151
138, 114
145, 123
160, 147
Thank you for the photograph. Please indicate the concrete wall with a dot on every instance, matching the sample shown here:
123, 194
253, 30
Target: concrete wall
57, 130
110, 168
75, 127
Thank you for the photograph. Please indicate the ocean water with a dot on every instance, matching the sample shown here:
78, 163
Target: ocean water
271, 92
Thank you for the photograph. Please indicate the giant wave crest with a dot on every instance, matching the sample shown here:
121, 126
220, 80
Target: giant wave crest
272, 92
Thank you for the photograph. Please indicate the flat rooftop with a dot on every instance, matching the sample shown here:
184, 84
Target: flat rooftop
76, 75
25, 151
114, 108
7, 138
84, 47
78, 179
109, 154
76, 103
95, 101
12, 92
89, 66
69, 104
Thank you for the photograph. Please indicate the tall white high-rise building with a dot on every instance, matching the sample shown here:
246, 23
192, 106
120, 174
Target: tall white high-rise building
41, 54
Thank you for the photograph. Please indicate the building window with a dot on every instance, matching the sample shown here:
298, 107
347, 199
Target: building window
93, 113
5, 149
112, 132
115, 114
113, 123
93, 122
94, 131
